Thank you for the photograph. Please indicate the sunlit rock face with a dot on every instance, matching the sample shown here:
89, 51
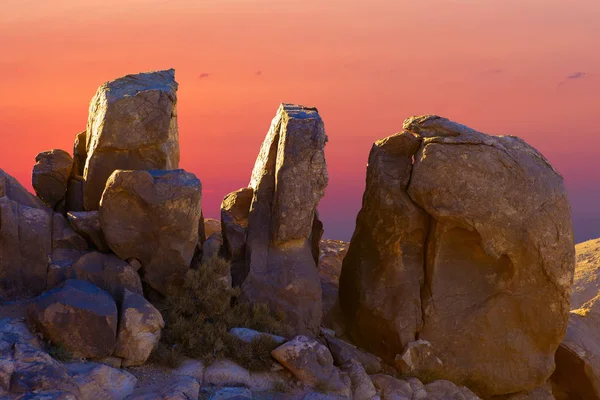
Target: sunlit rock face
463, 240
132, 125
273, 222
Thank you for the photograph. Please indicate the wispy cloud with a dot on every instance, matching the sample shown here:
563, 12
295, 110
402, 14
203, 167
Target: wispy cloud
572, 77
203, 75
576, 75
493, 71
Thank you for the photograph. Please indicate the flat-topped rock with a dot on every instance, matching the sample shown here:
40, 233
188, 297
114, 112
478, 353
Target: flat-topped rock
132, 125
288, 180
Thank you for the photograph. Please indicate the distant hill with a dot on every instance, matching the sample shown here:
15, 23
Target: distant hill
586, 283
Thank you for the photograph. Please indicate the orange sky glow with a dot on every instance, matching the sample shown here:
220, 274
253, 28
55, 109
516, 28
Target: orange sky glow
526, 68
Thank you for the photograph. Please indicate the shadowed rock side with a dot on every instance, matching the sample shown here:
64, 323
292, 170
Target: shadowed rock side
275, 229
383, 272
495, 281
577, 372
50, 177
153, 216
25, 239
132, 125
234, 226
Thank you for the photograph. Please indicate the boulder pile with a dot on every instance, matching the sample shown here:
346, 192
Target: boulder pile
456, 283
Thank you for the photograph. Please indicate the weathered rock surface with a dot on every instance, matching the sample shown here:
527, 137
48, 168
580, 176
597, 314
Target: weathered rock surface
87, 224
78, 316
331, 255
140, 326
578, 357
132, 125
288, 180
211, 226
383, 270
79, 153
193, 368
493, 289
248, 335
442, 390
226, 373
25, 368
235, 209
99, 381
392, 388
51, 174
362, 386
153, 216
586, 282
232, 393
64, 237
61, 266
344, 352
310, 362
25, 239
184, 388
212, 246
544, 392
74, 196
417, 359
109, 273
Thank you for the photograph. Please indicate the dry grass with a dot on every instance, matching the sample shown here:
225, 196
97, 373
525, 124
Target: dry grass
199, 316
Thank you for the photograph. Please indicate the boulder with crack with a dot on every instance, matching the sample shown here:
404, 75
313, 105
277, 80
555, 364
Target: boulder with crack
463, 240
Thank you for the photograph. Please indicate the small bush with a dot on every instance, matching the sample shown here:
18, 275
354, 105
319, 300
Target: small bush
58, 352
199, 315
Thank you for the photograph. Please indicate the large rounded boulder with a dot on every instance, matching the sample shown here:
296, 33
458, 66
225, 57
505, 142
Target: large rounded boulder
50, 177
154, 217
464, 240
78, 316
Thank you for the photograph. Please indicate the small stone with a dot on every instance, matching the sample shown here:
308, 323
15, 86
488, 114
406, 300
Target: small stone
140, 326
226, 373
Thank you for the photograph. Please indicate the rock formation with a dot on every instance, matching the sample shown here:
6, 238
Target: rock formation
25, 239
234, 219
51, 174
469, 247
140, 326
288, 180
87, 224
78, 316
132, 125
153, 216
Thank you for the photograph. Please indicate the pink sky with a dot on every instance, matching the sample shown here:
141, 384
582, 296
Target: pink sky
526, 68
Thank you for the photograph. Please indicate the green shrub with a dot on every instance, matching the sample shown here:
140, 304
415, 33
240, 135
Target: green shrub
199, 315
58, 352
